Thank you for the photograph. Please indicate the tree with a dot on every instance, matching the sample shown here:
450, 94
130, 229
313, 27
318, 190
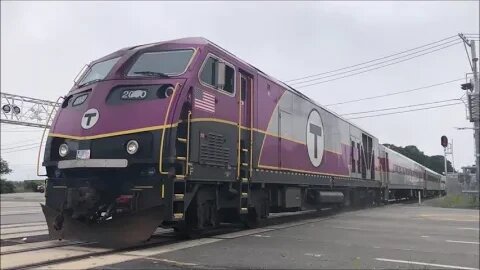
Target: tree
5, 186
4, 169
435, 163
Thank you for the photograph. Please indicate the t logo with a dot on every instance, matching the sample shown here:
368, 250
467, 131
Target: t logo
90, 118
317, 131
315, 138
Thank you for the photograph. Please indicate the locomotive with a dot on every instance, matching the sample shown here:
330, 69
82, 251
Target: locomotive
184, 134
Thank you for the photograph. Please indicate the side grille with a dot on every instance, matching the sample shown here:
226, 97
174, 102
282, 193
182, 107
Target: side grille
212, 150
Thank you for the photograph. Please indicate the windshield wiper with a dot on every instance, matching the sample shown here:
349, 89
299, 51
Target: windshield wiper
89, 82
152, 73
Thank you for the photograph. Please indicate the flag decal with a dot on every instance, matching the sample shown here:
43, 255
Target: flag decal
204, 101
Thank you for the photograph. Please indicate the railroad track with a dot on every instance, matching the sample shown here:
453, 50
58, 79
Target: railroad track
26, 246
15, 253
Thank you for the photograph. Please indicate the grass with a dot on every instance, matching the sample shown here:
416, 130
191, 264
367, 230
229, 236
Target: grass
468, 201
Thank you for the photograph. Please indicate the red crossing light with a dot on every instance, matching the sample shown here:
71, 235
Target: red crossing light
444, 141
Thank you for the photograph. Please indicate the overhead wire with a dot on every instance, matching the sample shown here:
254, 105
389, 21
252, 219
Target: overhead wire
350, 75
19, 146
395, 93
367, 62
401, 107
19, 150
413, 110
20, 131
376, 64
17, 142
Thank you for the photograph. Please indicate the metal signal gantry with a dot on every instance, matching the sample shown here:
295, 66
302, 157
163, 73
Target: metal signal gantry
26, 111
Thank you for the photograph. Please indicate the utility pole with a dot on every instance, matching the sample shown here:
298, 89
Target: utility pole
445, 144
474, 101
451, 153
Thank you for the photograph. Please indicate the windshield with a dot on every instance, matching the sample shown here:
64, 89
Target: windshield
165, 63
98, 71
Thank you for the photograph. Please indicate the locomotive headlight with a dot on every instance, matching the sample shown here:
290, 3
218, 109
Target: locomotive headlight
169, 91
132, 147
63, 150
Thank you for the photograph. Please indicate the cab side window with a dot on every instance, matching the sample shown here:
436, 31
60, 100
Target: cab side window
209, 73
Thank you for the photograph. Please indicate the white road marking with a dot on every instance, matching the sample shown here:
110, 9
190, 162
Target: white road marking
8, 213
425, 236
427, 264
5, 204
293, 224
23, 229
260, 235
173, 262
462, 242
22, 225
241, 233
470, 229
100, 261
350, 228
313, 255
25, 234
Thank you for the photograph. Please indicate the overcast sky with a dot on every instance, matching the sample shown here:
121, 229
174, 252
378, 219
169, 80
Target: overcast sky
44, 45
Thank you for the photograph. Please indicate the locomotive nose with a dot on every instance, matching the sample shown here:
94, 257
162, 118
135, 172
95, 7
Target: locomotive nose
116, 106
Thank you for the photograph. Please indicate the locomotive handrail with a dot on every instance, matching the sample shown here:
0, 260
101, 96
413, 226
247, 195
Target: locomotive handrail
43, 136
239, 145
189, 118
160, 163
251, 126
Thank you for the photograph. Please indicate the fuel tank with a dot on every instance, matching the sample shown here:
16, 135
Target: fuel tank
326, 197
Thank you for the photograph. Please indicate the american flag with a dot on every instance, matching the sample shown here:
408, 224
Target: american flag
204, 101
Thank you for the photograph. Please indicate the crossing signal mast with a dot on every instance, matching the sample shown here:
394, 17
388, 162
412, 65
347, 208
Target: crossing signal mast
30, 112
448, 150
472, 89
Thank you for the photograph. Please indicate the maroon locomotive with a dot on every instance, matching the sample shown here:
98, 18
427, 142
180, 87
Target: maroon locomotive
184, 134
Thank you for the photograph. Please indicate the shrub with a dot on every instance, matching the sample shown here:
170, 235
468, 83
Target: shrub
6, 186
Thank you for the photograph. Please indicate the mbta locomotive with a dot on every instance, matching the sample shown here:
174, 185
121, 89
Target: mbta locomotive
183, 134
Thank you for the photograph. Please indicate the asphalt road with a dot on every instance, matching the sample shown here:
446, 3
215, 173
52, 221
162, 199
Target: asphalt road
397, 236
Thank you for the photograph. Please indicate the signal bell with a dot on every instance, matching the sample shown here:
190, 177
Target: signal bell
444, 141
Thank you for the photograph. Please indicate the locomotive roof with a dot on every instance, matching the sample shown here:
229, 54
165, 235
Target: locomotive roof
201, 41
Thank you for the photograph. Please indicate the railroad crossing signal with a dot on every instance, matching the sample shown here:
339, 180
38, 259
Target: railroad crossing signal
444, 141
26, 111
467, 86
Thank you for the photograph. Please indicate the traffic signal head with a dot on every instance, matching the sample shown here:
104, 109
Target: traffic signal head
444, 141
467, 86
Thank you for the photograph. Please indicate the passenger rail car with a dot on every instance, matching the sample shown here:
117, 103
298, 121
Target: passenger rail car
184, 134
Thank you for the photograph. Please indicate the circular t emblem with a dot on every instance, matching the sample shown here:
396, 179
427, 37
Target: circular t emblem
315, 138
90, 118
